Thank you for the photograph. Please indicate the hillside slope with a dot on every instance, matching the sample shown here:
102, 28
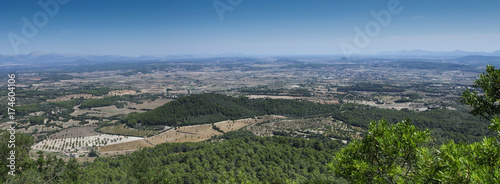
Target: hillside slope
210, 108
206, 108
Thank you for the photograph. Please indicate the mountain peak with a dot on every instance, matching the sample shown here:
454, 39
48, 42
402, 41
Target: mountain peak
454, 53
36, 53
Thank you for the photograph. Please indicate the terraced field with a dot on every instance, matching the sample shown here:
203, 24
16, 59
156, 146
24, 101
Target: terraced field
81, 143
194, 133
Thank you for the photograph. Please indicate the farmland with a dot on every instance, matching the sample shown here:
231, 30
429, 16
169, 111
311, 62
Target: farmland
112, 110
193, 133
318, 102
80, 145
307, 128
124, 130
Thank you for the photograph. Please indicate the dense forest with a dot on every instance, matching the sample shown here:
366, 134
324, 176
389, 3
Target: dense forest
388, 154
210, 108
400, 153
457, 125
99, 102
371, 88
242, 157
301, 92
30, 101
62, 109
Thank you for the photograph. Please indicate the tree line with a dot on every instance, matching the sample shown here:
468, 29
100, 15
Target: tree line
209, 108
445, 124
400, 153
242, 157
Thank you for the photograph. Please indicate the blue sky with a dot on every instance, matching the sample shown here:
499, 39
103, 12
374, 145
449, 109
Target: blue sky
254, 27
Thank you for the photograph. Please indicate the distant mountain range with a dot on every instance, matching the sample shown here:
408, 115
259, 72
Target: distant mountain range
54, 58
456, 53
37, 59
476, 60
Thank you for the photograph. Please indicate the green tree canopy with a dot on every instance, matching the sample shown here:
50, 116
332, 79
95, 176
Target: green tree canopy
388, 154
398, 154
485, 104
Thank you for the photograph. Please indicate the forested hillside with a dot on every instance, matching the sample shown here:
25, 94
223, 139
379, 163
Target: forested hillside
401, 154
210, 108
242, 157
444, 124
457, 125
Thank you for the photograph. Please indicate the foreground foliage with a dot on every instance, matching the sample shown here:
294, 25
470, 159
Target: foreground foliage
386, 154
398, 154
241, 158
485, 105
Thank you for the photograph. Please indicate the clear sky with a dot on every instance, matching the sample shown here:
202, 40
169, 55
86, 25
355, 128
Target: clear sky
161, 27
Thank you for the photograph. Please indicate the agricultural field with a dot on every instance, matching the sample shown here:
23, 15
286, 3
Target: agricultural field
194, 133
398, 106
232, 125
39, 128
81, 143
122, 148
122, 129
73, 123
75, 132
112, 110
104, 112
306, 127
150, 104
273, 97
